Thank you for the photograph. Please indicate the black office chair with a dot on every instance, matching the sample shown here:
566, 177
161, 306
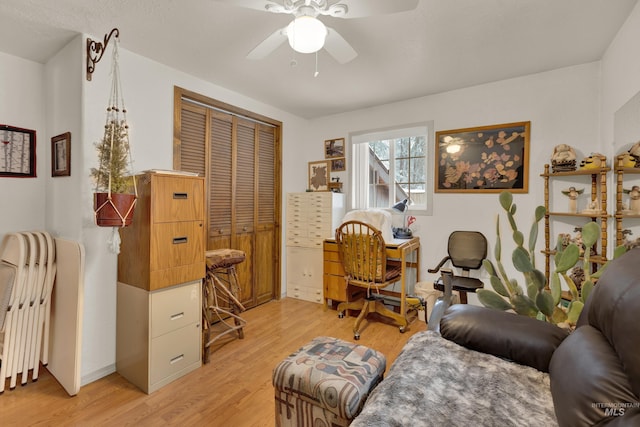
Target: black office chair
467, 250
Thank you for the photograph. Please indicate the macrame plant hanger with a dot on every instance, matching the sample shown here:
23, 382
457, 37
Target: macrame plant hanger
114, 174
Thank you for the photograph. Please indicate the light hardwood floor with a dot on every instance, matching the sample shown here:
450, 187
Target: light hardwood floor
233, 390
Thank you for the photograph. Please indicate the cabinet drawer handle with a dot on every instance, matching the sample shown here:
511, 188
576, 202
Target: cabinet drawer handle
179, 240
176, 359
180, 195
177, 316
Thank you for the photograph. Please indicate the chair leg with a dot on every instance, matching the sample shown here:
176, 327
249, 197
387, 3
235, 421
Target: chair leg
367, 307
463, 297
352, 305
399, 318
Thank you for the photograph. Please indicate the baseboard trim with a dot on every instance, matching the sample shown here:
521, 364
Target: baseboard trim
96, 375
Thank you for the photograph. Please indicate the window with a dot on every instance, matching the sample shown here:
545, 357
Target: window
390, 166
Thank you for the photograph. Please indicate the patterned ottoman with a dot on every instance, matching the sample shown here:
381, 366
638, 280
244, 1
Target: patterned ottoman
325, 383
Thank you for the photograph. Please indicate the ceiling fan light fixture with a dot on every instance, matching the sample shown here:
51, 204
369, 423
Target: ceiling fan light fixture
306, 34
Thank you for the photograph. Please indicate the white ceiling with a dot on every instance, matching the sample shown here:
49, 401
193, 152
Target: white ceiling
439, 46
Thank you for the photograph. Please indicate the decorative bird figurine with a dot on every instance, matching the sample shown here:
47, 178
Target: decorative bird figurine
594, 161
626, 160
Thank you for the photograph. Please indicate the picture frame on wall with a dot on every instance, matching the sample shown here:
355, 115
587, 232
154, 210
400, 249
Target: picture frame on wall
334, 148
487, 159
338, 165
61, 155
17, 152
319, 175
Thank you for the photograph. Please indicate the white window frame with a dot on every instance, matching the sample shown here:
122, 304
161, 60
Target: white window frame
359, 174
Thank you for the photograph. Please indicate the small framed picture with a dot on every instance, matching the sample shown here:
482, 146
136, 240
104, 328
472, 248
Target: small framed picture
17, 152
61, 155
319, 175
334, 148
338, 165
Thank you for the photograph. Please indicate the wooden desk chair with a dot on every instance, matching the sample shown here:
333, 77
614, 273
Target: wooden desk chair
362, 251
466, 251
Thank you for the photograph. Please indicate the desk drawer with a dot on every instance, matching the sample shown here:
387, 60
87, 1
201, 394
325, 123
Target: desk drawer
333, 268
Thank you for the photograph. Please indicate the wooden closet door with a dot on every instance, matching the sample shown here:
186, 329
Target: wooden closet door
241, 162
267, 250
244, 205
220, 176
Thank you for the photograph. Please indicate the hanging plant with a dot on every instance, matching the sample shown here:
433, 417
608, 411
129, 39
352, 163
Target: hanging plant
115, 187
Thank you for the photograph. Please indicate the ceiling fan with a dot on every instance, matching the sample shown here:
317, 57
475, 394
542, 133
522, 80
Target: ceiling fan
307, 34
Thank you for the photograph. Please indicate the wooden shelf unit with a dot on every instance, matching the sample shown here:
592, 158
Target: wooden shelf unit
598, 192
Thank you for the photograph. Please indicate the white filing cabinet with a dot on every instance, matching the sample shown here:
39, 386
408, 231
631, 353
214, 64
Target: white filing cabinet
310, 218
158, 333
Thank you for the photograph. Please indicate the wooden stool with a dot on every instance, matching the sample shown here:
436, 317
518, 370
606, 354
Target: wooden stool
221, 296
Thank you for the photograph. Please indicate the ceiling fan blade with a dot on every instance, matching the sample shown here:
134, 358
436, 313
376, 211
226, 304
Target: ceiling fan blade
268, 45
255, 4
360, 8
338, 47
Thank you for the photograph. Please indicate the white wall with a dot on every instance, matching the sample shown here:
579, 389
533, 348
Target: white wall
620, 79
22, 200
562, 106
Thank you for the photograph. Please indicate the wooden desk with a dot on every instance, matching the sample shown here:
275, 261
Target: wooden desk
334, 285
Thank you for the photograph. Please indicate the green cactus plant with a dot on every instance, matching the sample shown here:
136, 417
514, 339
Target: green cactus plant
537, 299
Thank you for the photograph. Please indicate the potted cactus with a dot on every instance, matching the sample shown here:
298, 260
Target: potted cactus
539, 299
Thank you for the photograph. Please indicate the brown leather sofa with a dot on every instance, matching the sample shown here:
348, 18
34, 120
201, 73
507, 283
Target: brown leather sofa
595, 370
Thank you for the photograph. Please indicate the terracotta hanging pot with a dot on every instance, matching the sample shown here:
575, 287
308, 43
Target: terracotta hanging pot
116, 211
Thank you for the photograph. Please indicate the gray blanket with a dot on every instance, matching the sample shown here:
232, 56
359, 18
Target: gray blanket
435, 382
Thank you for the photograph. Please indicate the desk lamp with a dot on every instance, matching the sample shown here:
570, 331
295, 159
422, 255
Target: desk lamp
404, 232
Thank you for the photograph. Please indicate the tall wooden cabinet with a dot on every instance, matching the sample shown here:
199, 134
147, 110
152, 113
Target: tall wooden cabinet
240, 160
311, 218
596, 182
160, 269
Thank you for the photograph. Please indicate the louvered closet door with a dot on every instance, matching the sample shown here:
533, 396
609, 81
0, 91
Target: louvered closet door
193, 134
220, 181
245, 194
240, 159
266, 236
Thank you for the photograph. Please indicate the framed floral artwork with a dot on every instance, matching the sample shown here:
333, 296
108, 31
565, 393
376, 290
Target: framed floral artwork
319, 175
488, 159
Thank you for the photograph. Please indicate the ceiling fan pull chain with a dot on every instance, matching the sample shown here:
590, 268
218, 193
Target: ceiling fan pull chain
317, 72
